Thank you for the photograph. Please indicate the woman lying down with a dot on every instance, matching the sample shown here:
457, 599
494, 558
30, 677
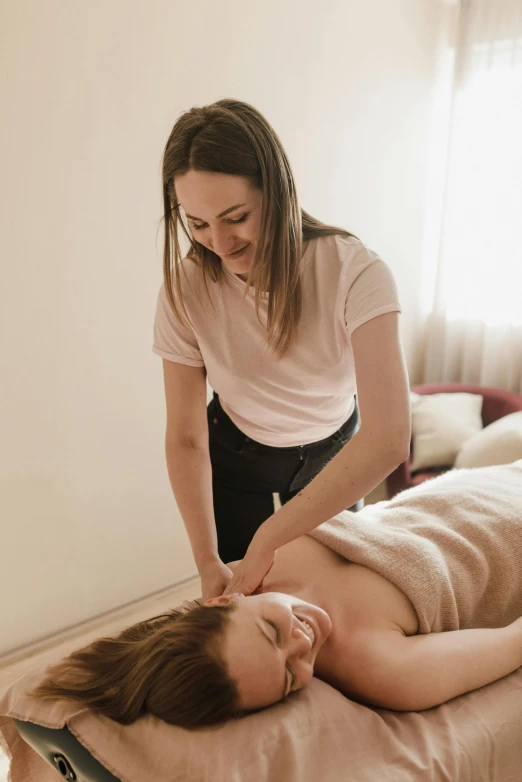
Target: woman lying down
403, 605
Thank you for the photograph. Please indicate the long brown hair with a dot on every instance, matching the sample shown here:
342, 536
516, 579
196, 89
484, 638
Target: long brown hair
169, 666
232, 137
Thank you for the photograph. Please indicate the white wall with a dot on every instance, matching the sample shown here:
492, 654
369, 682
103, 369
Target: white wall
90, 95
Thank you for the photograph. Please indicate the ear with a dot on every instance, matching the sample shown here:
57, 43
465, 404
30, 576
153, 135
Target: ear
221, 600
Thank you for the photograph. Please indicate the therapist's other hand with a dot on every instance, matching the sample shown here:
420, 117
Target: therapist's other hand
215, 577
250, 572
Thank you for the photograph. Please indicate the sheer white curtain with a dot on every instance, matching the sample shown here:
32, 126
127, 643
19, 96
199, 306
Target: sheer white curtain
474, 325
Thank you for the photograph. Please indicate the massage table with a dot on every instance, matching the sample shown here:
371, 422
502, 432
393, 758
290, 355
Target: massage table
317, 734
64, 753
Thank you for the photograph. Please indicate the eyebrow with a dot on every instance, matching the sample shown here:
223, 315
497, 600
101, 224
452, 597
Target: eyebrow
222, 214
274, 645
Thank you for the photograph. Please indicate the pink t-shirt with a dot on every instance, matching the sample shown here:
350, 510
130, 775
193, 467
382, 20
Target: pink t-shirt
309, 393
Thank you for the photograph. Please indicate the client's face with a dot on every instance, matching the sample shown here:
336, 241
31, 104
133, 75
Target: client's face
270, 645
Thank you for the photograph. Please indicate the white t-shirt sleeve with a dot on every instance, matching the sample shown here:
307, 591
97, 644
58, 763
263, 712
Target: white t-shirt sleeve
372, 292
172, 340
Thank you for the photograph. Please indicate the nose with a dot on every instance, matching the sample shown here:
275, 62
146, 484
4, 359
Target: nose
222, 240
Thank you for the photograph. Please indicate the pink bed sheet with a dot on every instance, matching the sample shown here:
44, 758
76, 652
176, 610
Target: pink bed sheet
317, 735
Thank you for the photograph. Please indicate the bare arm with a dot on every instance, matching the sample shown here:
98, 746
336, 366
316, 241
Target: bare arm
188, 458
393, 671
380, 445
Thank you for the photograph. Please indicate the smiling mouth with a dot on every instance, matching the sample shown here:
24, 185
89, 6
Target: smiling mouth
309, 630
237, 252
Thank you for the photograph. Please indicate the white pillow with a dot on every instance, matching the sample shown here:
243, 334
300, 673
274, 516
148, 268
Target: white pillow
441, 424
498, 443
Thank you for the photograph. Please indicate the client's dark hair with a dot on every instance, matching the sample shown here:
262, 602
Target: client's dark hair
169, 666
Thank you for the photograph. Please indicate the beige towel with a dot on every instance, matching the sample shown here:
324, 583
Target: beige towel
453, 545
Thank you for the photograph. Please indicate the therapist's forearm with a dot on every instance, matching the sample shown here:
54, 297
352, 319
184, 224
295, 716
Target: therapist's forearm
358, 468
190, 474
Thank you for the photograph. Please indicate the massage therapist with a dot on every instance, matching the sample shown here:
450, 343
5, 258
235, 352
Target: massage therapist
295, 323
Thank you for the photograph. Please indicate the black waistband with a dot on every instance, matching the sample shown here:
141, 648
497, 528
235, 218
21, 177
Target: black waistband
348, 428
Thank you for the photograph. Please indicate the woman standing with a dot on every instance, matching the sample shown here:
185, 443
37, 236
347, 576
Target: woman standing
295, 323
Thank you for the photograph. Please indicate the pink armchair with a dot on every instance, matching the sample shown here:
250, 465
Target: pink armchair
497, 403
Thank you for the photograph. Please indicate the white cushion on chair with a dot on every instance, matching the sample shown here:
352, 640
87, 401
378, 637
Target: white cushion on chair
498, 443
441, 424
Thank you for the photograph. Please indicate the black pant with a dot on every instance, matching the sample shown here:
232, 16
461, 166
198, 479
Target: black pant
246, 474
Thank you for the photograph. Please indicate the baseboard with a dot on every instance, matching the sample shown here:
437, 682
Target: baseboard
45, 642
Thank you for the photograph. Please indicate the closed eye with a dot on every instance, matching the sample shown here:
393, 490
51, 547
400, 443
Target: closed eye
276, 628
278, 642
232, 222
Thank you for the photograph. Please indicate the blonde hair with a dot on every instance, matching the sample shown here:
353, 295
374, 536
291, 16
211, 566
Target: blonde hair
169, 666
232, 137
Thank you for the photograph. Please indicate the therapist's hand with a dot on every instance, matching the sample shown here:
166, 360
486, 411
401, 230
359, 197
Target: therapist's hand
252, 569
214, 578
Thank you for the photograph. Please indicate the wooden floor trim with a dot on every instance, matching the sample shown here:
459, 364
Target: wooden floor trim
114, 614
